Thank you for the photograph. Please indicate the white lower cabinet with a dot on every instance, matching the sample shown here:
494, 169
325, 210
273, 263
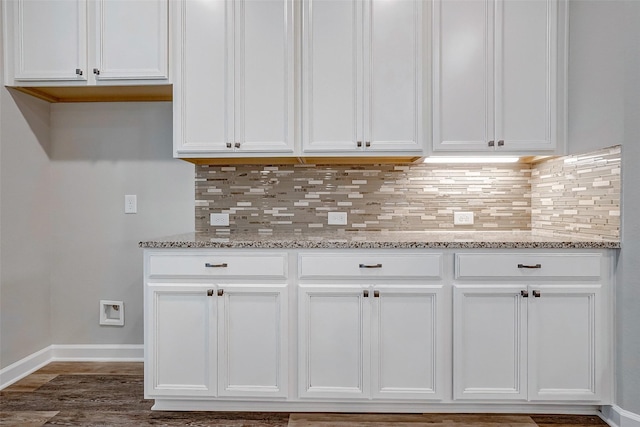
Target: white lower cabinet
378, 330
369, 341
530, 338
180, 341
252, 341
216, 340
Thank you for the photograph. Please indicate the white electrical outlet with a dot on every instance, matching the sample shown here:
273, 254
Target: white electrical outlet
337, 218
130, 204
463, 218
219, 219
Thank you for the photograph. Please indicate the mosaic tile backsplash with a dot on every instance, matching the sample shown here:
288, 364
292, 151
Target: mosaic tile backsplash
416, 197
578, 194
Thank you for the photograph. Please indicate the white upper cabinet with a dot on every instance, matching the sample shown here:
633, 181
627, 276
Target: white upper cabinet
495, 75
362, 77
131, 39
84, 42
234, 86
50, 39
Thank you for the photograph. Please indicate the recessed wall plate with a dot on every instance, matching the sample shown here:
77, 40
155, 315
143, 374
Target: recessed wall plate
111, 313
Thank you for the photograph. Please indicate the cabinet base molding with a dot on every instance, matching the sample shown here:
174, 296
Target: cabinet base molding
617, 417
372, 407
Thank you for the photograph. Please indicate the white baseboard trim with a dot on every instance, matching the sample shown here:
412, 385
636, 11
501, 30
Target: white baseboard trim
97, 353
70, 353
615, 416
23, 367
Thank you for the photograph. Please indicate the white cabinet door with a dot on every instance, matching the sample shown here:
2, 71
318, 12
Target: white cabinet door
264, 73
333, 345
332, 75
463, 75
566, 346
406, 340
50, 39
490, 342
252, 340
362, 76
393, 75
525, 55
495, 73
180, 354
234, 88
131, 39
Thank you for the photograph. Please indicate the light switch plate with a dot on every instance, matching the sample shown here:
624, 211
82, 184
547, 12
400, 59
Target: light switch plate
130, 204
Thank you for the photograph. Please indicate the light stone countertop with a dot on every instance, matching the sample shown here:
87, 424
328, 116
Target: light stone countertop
383, 240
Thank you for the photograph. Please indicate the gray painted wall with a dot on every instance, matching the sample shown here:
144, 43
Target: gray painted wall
25, 225
100, 152
604, 109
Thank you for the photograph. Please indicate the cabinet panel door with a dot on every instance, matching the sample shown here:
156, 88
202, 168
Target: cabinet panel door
490, 342
526, 74
565, 343
131, 39
463, 75
203, 96
406, 339
334, 341
331, 73
393, 75
50, 39
180, 357
264, 116
252, 346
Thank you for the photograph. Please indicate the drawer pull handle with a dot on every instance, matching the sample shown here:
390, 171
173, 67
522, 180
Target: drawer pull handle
370, 265
376, 294
223, 265
210, 293
220, 292
529, 266
525, 294
536, 294
365, 294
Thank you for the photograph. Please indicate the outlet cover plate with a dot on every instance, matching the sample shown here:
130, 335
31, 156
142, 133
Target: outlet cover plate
463, 218
219, 219
337, 218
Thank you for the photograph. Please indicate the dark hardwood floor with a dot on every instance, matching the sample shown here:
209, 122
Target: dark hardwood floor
111, 394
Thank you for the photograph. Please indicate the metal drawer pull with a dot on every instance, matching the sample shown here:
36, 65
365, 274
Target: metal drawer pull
529, 266
210, 293
220, 292
525, 294
359, 143
78, 71
228, 145
536, 294
96, 71
376, 294
370, 265
365, 294
224, 264
491, 143
501, 143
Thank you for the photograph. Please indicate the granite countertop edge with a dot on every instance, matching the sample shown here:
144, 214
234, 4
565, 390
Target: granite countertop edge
373, 240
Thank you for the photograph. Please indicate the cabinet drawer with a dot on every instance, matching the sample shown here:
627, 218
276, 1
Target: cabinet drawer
528, 265
219, 265
370, 265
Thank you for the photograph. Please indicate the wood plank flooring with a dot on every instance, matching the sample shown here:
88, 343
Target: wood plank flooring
111, 394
